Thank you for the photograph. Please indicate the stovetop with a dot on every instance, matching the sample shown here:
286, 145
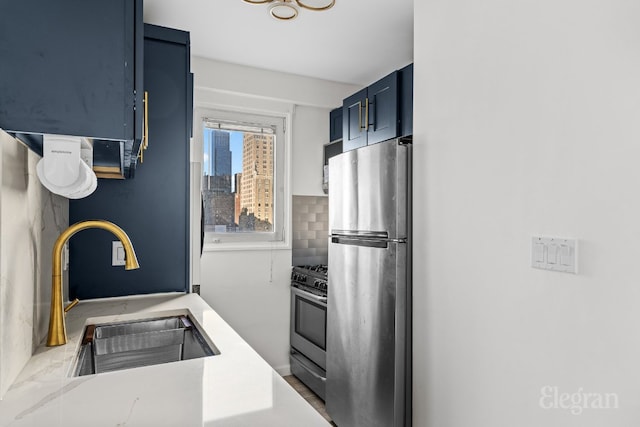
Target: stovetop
319, 271
311, 278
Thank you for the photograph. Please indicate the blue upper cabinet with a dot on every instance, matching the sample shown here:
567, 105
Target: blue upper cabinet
382, 120
335, 124
74, 68
354, 133
377, 112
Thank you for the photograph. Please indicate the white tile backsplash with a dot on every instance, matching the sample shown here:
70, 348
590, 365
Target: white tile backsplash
31, 218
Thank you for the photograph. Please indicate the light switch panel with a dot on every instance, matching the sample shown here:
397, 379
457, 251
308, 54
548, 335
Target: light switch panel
65, 253
555, 254
117, 253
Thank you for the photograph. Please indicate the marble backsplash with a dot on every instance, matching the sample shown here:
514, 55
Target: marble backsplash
310, 230
31, 218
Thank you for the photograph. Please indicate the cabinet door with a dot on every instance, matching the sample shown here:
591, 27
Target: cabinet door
335, 124
354, 133
153, 208
383, 115
68, 67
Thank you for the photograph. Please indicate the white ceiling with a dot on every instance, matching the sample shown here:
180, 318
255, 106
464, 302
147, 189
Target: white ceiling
356, 41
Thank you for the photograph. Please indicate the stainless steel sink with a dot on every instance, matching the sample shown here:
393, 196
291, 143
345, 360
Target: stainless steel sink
114, 346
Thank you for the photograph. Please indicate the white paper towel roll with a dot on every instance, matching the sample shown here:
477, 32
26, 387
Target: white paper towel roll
61, 156
65, 167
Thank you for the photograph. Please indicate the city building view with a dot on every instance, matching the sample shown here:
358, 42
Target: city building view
237, 185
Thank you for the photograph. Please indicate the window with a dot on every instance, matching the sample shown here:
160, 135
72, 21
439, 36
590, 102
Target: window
243, 178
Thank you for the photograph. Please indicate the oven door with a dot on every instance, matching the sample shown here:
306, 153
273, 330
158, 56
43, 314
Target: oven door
309, 325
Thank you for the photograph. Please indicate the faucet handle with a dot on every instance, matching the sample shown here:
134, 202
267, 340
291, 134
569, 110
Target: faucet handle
71, 305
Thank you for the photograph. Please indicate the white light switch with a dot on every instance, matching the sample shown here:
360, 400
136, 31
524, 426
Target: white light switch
117, 253
555, 254
566, 255
538, 252
552, 251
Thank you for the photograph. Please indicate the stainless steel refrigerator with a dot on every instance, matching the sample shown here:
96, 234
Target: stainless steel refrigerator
369, 306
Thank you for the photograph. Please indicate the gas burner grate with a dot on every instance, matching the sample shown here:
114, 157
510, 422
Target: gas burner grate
320, 269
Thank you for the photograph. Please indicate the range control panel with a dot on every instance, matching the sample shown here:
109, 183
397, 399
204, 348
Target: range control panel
313, 277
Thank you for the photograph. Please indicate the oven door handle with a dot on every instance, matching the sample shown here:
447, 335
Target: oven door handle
309, 295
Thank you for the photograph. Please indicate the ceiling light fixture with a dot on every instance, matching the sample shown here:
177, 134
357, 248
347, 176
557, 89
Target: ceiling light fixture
286, 10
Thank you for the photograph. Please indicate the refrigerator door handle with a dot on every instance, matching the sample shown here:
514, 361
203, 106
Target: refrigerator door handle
369, 243
343, 240
361, 234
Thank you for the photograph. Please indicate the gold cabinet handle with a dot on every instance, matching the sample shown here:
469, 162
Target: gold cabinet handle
146, 119
145, 130
366, 114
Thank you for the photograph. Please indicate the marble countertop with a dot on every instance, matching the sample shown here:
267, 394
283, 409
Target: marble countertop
235, 388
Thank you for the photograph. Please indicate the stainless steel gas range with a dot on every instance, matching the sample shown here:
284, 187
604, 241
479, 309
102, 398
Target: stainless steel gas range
309, 326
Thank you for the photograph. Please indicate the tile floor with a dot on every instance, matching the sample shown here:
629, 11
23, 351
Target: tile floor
309, 396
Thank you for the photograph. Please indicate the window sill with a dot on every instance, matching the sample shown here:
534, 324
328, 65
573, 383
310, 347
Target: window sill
246, 246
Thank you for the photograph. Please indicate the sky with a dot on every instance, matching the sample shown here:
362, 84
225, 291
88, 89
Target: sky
235, 144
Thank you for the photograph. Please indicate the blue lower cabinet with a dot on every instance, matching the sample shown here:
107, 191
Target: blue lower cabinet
153, 208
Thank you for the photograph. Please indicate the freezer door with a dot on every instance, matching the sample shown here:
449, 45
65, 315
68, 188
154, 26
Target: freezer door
369, 190
368, 381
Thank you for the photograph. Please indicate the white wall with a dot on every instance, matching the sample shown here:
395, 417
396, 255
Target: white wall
250, 289
31, 218
310, 133
527, 122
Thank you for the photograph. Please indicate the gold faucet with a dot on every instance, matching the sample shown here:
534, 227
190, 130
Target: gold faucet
57, 329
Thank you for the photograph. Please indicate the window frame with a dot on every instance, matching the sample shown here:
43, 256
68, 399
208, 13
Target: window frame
280, 237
